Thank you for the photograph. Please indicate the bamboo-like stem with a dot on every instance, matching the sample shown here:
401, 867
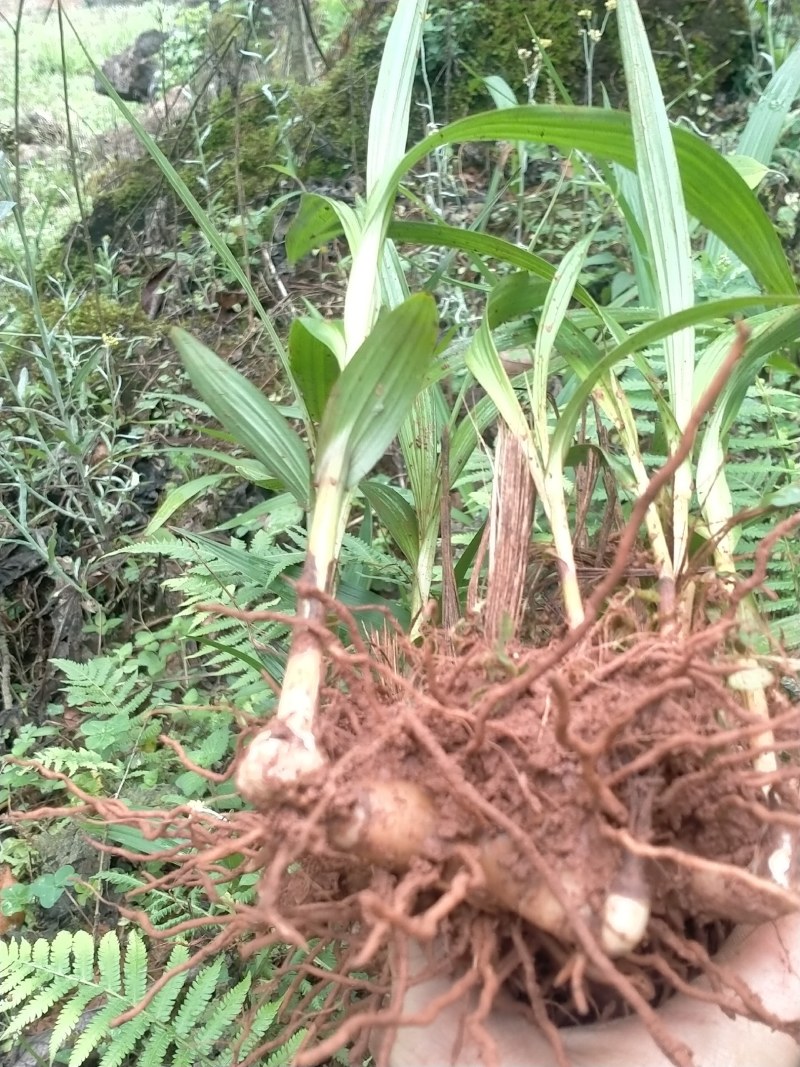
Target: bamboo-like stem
287, 749
611, 397
550, 487
556, 507
509, 536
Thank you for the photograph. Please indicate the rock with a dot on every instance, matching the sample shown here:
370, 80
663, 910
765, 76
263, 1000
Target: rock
132, 72
162, 114
41, 127
148, 43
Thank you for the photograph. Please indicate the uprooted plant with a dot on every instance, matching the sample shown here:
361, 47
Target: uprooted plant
581, 817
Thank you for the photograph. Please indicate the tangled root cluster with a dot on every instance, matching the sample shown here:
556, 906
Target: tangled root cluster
530, 813
580, 831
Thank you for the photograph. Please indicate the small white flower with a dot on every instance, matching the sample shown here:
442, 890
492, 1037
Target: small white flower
595, 35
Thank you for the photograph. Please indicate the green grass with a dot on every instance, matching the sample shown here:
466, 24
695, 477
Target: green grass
106, 30
48, 192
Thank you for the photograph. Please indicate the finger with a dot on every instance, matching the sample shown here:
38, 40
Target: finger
766, 958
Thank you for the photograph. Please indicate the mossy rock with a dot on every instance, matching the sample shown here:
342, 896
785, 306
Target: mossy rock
468, 40
321, 130
92, 316
700, 46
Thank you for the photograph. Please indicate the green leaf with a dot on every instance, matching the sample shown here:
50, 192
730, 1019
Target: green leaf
108, 957
132, 839
230, 650
391, 102
247, 415
500, 91
787, 497
125, 1039
397, 515
666, 229
482, 244
223, 1014
749, 168
420, 437
319, 220
714, 193
187, 198
136, 968
163, 1002
376, 389
69, 1016
180, 496
284, 1056
554, 310
766, 124
197, 997
467, 557
95, 1033
314, 366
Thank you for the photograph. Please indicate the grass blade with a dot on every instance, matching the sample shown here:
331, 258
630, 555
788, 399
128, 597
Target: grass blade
665, 225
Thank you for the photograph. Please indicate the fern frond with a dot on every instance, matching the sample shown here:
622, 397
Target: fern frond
191, 1022
198, 996
73, 761
285, 1054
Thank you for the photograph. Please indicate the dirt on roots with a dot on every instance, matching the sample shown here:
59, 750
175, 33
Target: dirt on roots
536, 784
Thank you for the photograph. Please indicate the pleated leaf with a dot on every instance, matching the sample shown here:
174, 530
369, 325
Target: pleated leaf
376, 389
388, 134
766, 124
314, 365
319, 220
713, 192
254, 422
665, 226
397, 515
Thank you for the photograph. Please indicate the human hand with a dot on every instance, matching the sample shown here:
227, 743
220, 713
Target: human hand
766, 958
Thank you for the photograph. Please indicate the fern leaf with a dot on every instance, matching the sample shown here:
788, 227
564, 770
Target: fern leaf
94, 1035
259, 1025
61, 952
24, 991
73, 971
164, 1001
83, 947
196, 1000
108, 960
124, 1039
154, 1051
16, 963
17, 974
135, 968
223, 1015
283, 1056
68, 1018
72, 761
38, 1006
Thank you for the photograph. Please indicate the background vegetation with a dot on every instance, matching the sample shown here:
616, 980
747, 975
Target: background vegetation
128, 499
